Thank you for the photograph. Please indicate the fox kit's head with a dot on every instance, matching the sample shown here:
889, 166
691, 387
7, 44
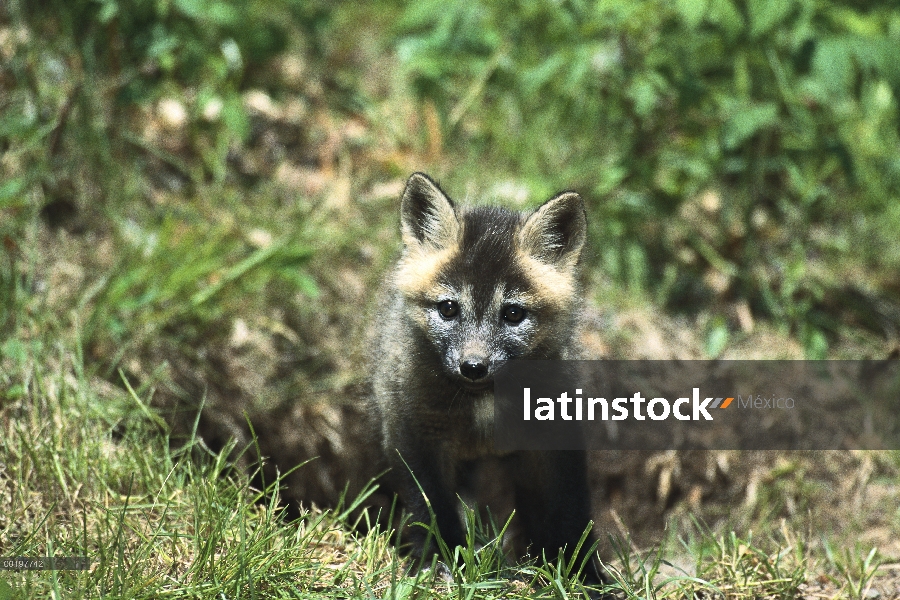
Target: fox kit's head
485, 284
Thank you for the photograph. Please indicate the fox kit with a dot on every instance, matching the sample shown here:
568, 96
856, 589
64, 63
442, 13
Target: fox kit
474, 288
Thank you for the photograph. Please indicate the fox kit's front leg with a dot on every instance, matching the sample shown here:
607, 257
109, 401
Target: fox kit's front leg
553, 503
424, 479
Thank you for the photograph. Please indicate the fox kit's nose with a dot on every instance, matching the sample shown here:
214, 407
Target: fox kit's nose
473, 370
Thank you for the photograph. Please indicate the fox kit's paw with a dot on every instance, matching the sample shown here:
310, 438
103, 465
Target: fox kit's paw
441, 572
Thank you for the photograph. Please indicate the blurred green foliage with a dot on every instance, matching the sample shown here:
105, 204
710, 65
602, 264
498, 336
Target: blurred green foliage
81, 81
743, 142
94, 61
185, 280
732, 152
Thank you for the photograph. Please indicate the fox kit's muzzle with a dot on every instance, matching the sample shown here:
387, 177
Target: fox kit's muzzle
473, 369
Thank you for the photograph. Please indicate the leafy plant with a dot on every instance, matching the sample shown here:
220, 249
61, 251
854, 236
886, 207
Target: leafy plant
725, 144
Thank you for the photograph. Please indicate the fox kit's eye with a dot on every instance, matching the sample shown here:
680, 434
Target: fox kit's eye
448, 309
513, 313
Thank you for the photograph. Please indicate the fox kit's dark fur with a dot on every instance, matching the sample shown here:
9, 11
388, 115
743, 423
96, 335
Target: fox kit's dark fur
474, 288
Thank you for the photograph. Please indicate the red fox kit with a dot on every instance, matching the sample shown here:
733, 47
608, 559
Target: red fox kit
474, 288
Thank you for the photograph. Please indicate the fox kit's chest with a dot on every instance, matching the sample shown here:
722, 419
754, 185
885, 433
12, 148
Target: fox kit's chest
466, 427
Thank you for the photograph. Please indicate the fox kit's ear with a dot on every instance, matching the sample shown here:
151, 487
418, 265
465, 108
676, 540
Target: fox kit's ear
427, 215
555, 232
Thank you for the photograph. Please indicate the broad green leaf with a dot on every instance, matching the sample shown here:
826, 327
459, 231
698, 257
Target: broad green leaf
880, 55
833, 64
643, 93
745, 123
692, 11
191, 8
219, 13
725, 15
222, 13
534, 79
108, 12
765, 14
815, 345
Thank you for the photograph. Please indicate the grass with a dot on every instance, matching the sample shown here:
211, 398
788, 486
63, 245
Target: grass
83, 477
88, 473
90, 469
